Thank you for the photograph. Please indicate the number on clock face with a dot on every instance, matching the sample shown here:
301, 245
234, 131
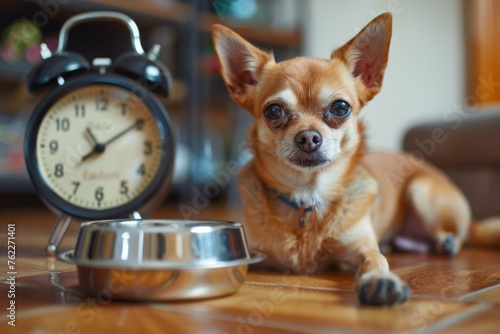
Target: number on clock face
99, 147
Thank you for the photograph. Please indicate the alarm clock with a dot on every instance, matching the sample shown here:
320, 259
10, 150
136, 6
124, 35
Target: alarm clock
99, 145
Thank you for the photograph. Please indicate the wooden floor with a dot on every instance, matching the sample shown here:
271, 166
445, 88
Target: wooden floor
459, 295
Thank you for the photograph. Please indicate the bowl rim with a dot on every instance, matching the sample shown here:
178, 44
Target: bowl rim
211, 225
68, 257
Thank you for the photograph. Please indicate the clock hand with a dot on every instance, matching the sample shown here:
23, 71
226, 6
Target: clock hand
138, 122
98, 147
87, 155
91, 135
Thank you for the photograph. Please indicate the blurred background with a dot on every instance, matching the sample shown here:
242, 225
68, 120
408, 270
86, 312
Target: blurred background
443, 63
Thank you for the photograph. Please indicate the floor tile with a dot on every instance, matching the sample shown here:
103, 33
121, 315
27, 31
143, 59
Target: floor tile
323, 309
445, 283
59, 281
44, 290
28, 299
54, 302
29, 266
489, 295
485, 322
324, 281
129, 318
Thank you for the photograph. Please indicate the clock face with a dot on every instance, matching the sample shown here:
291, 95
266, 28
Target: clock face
98, 147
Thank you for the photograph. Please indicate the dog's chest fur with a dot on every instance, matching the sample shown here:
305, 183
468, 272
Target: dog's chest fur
317, 190
339, 204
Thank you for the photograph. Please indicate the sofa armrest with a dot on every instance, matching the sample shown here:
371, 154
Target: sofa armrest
466, 146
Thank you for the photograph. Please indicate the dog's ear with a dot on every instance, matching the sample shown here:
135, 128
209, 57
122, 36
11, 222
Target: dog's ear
241, 64
366, 55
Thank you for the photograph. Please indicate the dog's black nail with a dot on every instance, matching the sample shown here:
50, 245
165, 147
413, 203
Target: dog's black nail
448, 246
406, 293
392, 292
363, 294
381, 293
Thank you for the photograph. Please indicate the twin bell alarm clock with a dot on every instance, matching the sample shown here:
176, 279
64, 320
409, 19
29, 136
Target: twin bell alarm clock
99, 145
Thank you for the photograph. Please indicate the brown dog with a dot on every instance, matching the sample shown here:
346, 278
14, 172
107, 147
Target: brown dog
312, 195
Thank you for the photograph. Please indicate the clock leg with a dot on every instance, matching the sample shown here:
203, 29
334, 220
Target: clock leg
135, 215
58, 234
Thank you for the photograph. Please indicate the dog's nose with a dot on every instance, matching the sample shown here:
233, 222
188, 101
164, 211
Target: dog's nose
308, 140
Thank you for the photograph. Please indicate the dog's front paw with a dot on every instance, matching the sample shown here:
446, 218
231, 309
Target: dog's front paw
381, 288
447, 245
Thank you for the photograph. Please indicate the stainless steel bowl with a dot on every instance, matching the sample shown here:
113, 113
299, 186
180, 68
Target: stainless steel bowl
161, 259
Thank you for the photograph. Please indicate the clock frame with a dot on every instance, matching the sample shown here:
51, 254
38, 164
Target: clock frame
144, 201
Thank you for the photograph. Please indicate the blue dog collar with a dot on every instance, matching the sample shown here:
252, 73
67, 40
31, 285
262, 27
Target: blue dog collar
294, 204
303, 208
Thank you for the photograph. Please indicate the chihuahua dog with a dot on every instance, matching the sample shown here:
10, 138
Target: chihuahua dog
313, 196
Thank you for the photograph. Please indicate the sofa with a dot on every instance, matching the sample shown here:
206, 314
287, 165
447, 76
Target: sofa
465, 144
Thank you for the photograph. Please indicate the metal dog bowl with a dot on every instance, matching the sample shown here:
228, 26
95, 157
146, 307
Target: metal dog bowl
161, 259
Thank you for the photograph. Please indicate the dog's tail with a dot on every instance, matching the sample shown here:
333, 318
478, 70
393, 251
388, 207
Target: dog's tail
485, 232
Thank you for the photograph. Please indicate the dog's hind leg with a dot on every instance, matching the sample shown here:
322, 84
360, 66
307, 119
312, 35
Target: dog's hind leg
442, 210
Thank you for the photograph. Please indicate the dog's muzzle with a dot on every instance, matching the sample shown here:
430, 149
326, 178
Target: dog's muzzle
307, 153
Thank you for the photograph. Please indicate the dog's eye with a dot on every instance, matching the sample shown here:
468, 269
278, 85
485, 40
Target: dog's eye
340, 108
274, 112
